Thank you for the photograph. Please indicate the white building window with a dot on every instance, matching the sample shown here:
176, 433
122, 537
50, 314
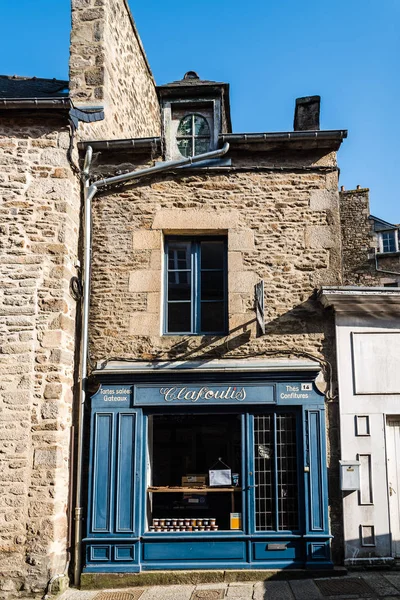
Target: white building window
389, 241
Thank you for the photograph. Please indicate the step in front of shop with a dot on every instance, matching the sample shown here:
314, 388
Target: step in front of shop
149, 578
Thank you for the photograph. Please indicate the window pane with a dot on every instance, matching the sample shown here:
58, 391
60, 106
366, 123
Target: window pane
179, 285
212, 255
178, 256
212, 316
185, 126
185, 147
179, 317
201, 145
201, 126
263, 463
212, 285
287, 471
389, 241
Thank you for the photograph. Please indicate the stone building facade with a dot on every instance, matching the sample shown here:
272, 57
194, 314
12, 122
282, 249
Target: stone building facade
367, 261
272, 199
40, 193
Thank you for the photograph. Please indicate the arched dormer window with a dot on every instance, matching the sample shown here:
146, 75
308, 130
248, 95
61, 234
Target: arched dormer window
193, 136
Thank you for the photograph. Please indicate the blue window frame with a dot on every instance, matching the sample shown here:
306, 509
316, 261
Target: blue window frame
196, 286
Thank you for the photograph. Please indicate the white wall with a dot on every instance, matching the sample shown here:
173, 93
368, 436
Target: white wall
368, 350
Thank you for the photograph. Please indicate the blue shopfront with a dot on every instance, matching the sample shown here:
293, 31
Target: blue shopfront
207, 468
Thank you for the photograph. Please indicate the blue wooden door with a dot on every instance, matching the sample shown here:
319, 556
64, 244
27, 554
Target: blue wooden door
274, 482
114, 478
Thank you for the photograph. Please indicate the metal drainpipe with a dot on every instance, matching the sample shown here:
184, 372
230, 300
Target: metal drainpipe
89, 193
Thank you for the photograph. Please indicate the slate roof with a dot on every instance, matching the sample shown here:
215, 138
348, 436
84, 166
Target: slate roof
190, 79
13, 86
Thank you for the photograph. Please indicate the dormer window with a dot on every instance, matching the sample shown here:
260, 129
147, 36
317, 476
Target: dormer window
193, 135
389, 241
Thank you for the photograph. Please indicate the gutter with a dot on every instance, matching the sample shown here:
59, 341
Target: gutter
252, 138
32, 103
90, 190
233, 139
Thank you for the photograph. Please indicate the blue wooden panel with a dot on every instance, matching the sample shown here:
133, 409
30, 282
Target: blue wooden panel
102, 479
99, 553
207, 394
318, 550
125, 475
124, 553
316, 501
277, 550
194, 551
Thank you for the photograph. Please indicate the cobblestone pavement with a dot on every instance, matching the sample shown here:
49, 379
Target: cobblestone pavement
367, 586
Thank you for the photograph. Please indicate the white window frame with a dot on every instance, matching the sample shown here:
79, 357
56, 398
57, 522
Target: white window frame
396, 240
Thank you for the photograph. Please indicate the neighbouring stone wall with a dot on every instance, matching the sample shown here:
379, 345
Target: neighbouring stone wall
39, 225
359, 243
282, 227
108, 67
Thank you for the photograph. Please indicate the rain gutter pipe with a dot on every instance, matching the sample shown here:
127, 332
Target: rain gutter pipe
379, 270
90, 191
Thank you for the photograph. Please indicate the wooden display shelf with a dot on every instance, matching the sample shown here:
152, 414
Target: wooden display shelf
191, 490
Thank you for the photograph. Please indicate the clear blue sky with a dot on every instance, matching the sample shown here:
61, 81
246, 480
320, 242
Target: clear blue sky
270, 51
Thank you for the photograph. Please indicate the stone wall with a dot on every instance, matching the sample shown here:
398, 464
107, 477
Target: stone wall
282, 226
108, 67
39, 224
359, 243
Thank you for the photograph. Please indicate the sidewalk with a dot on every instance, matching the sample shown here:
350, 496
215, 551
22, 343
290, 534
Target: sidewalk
366, 585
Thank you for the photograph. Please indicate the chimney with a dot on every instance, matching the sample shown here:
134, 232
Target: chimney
306, 114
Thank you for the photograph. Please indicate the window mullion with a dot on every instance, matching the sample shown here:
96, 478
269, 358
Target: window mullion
276, 476
195, 292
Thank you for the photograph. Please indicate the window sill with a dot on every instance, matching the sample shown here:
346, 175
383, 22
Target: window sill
383, 254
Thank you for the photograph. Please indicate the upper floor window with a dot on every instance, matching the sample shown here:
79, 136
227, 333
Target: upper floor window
196, 286
389, 241
193, 136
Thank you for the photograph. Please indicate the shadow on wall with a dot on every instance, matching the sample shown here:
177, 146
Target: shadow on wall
377, 549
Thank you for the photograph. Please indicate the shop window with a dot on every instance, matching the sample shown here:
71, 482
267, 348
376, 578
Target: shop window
389, 241
193, 136
196, 286
276, 491
181, 451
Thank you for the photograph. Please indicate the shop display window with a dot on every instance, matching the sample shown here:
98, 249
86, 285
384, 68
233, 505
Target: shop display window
182, 449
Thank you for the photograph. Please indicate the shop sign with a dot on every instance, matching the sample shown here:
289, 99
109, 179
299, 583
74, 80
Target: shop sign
204, 394
113, 396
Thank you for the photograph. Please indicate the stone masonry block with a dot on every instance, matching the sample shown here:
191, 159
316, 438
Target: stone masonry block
52, 339
242, 281
46, 458
235, 261
53, 391
144, 324
145, 239
319, 236
173, 220
235, 303
145, 281
153, 302
241, 240
156, 260
243, 321
323, 199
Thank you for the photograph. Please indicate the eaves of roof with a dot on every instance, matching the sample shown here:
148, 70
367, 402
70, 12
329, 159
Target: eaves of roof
361, 300
308, 139
35, 103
